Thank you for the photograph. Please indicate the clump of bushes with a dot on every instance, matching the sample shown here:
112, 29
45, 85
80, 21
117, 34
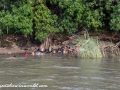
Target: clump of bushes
89, 48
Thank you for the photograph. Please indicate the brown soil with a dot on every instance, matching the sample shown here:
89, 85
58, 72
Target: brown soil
19, 44
16, 44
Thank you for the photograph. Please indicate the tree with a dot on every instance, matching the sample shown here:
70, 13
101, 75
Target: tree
75, 13
44, 20
115, 17
23, 18
17, 18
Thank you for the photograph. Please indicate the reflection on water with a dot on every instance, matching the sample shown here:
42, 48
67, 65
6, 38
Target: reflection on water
60, 73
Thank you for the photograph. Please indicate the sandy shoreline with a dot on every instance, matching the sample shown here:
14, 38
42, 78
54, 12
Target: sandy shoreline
11, 50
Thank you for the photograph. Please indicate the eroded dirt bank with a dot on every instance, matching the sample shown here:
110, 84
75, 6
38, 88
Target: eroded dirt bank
10, 44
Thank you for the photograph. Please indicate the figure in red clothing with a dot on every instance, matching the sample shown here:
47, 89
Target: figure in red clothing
26, 54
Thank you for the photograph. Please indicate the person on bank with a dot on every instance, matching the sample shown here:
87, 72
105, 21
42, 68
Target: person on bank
38, 52
12, 57
54, 51
26, 54
33, 53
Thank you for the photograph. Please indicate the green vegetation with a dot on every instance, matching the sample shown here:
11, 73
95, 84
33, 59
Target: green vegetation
46, 16
89, 48
41, 18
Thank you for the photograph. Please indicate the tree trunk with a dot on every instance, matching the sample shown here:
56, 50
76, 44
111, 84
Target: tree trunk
7, 29
1, 40
46, 43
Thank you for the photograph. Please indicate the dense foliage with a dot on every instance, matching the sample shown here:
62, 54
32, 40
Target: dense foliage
43, 17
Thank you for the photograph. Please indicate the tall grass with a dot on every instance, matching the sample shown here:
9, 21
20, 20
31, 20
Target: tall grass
89, 48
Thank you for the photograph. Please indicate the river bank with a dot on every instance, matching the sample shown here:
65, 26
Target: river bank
11, 44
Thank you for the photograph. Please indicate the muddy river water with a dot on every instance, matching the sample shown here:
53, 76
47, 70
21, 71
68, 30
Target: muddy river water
58, 72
